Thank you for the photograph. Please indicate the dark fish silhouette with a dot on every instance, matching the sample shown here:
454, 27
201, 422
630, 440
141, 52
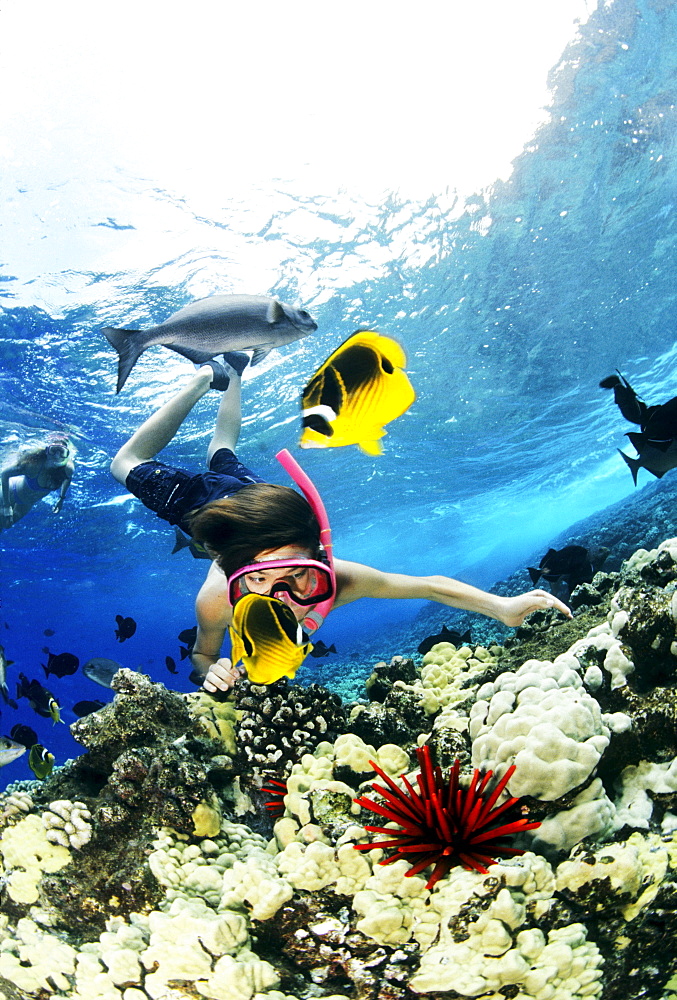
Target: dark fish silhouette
626, 399
49, 632
24, 734
188, 635
215, 325
657, 457
446, 635
126, 628
81, 708
184, 542
170, 663
39, 698
60, 664
568, 566
101, 670
195, 677
656, 444
320, 649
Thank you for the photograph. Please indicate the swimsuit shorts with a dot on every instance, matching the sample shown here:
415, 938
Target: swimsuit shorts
173, 493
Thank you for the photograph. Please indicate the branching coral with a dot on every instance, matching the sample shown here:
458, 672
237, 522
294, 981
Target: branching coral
443, 824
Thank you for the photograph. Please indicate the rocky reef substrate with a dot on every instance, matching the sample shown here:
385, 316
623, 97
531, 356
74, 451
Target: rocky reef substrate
206, 848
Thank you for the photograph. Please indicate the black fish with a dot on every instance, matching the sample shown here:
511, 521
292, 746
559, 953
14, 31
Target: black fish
39, 698
49, 632
81, 708
126, 628
24, 734
568, 566
60, 664
185, 652
446, 635
626, 399
320, 649
215, 325
195, 677
184, 542
657, 457
170, 663
656, 445
188, 635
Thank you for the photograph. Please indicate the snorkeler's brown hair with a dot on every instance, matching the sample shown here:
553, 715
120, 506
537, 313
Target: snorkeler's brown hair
258, 517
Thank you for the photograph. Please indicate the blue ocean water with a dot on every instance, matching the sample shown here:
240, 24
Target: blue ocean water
510, 312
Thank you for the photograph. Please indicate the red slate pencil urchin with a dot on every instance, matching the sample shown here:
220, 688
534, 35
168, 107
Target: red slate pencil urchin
277, 790
443, 824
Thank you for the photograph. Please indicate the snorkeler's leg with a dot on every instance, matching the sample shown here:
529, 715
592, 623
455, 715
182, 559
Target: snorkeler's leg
228, 418
161, 426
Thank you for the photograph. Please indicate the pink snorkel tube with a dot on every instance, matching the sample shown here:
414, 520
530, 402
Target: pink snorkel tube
314, 618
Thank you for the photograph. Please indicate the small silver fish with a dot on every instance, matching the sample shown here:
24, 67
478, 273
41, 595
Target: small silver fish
10, 750
215, 325
4, 663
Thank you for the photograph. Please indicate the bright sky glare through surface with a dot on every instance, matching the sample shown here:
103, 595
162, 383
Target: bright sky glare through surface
368, 95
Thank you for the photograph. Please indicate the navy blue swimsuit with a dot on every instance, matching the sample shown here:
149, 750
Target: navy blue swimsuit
172, 493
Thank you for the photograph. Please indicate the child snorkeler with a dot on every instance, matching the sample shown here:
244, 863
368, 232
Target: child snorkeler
264, 539
32, 473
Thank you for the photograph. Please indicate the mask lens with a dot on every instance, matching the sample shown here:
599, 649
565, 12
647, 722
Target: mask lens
305, 584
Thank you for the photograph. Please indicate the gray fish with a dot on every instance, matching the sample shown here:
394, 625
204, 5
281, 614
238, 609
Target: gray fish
4, 663
101, 670
184, 542
10, 750
657, 457
215, 325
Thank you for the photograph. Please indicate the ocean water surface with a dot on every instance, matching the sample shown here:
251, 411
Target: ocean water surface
510, 305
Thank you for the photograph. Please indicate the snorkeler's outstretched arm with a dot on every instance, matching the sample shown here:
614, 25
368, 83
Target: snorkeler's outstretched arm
63, 489
355, 580
214, 615
6, 511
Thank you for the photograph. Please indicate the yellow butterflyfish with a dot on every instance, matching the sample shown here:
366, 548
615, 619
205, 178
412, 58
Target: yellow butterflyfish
357, 390
267, 639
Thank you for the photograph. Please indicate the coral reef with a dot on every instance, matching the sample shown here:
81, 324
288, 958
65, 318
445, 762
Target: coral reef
150, 868
280, 720
68, 823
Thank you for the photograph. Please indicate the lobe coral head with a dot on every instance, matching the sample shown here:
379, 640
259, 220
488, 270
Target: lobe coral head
443, 824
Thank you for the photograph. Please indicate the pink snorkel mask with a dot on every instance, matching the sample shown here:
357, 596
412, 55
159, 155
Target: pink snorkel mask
301, 582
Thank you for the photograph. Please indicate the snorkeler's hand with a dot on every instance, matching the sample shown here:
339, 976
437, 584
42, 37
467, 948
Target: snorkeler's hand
515, 609
221, 676
6, 516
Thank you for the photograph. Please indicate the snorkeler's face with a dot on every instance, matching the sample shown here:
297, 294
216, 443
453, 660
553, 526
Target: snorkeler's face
57, 454
297, 578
